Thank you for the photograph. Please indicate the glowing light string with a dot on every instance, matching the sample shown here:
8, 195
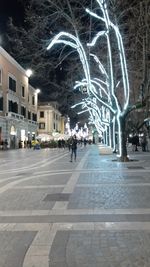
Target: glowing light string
103, 71
100, 65
111, 69
95, 113
99, 34
97, 117
95, 104
75, 43
99, 80
123, 66
90, 104
102, 102
102, 89
108, 24
114, 134
94, 94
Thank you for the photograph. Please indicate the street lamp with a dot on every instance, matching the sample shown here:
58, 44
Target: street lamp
29, 72
37, 90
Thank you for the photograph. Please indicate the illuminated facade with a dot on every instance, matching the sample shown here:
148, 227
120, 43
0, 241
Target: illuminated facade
50, 119
18, 102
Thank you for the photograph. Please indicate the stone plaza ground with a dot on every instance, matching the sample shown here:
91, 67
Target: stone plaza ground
94, 212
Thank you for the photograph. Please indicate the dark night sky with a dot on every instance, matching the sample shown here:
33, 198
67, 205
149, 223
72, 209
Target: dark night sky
14, 9
10, 8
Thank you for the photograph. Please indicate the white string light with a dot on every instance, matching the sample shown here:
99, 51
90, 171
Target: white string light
100, 100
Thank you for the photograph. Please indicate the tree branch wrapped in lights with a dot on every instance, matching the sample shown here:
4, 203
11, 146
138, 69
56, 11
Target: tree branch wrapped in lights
101, 93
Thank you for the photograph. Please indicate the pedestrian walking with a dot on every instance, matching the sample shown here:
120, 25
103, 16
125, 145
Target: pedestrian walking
69, 143
85, 142
5, 144
144, 143
135, 143
73, 148
30, 144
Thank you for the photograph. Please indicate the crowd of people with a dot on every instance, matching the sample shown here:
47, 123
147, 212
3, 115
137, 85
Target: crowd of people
66, 143
72, 144
25, 144
137, 142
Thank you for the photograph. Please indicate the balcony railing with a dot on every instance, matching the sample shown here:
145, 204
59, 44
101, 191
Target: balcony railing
33, 122
20, 118
14, 116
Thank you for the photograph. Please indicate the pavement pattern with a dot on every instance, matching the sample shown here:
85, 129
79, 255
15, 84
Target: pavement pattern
94, 212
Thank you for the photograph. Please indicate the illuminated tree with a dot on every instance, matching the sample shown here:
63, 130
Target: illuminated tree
133, 20
44, 18
116, 103
97, 115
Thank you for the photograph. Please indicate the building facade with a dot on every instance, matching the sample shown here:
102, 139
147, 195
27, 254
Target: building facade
18, 103
50, 119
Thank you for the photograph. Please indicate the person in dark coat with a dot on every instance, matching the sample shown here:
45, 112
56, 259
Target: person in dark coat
144, 143
135, 143
73, 148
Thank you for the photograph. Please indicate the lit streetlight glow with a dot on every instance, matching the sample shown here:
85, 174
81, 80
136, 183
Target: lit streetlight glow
29, 72
38, 90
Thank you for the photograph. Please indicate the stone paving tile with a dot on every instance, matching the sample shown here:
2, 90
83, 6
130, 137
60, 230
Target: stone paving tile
27, 199
47, 179
81, 241
57, 197
65, 164
4, 183
99, 177
100, 248
110, 197
13, 246
96, 164
76, 218
135, 167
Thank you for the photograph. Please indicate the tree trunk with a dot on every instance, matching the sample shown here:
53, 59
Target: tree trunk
123, 156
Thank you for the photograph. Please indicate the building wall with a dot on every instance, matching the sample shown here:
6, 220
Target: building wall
62, 120
52, 119
11, 68
21, 124
15, 124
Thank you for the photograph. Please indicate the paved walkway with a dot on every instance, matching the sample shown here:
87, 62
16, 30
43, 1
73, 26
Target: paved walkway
94, 212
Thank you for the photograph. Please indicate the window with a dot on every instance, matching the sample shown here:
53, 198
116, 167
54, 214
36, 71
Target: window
12, 106
33, 100
23, 111
34, 117
0, 76
12, 84
41, 125
23, 91
29, 115
41, 114
1, 103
